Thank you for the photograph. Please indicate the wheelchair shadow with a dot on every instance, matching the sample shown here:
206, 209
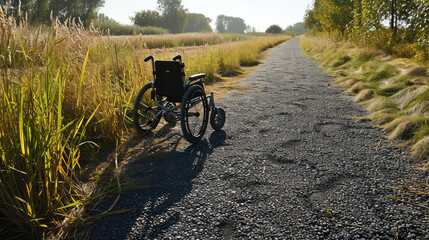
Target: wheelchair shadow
170, 173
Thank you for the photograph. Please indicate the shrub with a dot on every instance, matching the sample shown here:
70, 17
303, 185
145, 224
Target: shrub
274, 29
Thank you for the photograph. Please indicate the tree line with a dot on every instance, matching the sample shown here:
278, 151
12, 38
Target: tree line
172, 15
39, 11
292, 30
396, 26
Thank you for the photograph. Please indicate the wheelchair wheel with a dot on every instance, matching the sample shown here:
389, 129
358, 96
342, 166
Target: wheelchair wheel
145, 110
194, 114
217, 118
169, 117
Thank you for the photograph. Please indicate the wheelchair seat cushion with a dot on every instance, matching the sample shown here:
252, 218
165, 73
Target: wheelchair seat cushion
169, 79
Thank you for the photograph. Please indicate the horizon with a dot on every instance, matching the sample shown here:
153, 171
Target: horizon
251, 14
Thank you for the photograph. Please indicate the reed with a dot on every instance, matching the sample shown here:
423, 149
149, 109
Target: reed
65, 87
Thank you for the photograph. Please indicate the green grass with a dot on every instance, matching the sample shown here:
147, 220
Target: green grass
394, 91
389, 90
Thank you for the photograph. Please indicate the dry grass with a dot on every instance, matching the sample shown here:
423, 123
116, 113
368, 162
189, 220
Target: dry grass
364, 95
395, 91
66, 89
357, 87
421, 148
404, 130
408, 95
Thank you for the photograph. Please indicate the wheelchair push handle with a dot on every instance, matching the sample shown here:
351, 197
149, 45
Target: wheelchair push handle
148, 58
153, 65
178, 57
182, 64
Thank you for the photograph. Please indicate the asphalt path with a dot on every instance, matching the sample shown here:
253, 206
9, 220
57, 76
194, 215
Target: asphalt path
290, 163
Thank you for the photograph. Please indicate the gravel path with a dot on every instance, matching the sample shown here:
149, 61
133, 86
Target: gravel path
291, 163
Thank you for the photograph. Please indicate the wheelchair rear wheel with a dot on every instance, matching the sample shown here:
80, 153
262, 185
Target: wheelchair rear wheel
145, 110
194, 114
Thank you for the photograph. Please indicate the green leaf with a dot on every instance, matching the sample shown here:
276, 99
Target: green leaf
70, 205
57, 41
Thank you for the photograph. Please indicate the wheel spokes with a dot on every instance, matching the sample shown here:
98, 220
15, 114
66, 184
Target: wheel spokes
195, 115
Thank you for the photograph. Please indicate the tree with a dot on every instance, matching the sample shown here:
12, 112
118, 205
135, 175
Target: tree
220, 24
227, 24
40, 12
236, 25
310, 21
334, 14
16, 6
250, 29
83, 9
395, 26
174, 15
198, 23
147, 18
274, 29
298, 28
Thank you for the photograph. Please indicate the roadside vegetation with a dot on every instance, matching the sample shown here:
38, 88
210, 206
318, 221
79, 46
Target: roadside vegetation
66, 92
395, 91
379, 50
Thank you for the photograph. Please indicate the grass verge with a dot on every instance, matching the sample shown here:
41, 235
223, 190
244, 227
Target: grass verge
394, 91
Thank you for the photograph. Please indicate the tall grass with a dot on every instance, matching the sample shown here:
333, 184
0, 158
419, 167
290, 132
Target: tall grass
64, 87
174, 40
395, 91
114, 28
39, 149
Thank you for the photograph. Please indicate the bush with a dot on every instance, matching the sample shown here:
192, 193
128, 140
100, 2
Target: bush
274, 29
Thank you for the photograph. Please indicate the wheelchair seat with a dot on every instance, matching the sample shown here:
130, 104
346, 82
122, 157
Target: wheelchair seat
169, 80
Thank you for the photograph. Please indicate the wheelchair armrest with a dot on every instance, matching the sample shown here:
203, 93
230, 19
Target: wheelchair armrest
196, 77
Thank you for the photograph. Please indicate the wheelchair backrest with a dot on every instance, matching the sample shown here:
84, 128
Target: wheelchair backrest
169, 79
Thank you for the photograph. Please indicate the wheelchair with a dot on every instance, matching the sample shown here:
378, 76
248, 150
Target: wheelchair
173, 98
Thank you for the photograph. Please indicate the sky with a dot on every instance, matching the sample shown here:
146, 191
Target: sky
256, 13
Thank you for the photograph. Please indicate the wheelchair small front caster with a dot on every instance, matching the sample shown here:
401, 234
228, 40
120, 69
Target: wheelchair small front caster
217, 118
169, 116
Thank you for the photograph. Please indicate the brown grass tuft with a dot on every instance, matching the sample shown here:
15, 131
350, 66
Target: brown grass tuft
404, 130
421, 148
347, 82
416, 81
383, 116
418, 108
364, 95
417, 71
357, 87
406, 96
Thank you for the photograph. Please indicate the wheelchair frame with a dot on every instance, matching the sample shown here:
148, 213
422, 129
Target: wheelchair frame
162, 103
